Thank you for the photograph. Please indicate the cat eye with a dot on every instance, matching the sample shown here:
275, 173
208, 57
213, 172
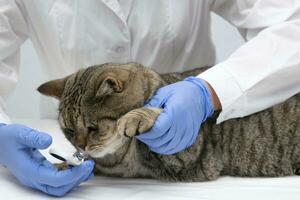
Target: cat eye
92, 128
70, 133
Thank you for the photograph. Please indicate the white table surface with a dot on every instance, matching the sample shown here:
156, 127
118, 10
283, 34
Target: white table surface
225, 188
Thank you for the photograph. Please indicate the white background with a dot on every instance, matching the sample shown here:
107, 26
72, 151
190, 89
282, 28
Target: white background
24, 101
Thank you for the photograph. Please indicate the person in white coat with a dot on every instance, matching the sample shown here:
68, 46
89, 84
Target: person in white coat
166, 35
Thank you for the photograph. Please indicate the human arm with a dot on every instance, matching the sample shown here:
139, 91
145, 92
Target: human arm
13, 33
260, 74
264, 71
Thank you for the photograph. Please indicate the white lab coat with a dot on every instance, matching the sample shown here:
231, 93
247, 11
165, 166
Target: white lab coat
166, 35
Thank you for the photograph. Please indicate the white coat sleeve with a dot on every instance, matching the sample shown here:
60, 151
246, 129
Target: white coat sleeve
13, 32
266, 69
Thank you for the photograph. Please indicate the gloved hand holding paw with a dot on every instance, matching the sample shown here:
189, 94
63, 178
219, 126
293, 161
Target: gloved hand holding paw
186, 105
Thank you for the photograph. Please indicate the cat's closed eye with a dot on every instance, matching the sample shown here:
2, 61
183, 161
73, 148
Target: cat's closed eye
92, 128
70, 133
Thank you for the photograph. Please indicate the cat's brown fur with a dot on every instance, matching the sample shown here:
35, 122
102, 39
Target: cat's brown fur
101, 109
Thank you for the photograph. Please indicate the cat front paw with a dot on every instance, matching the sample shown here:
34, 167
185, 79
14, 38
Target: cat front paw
137, 121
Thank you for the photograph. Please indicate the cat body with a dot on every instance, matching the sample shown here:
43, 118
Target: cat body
111, 98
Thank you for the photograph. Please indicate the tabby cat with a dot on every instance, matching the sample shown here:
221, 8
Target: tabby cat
101, 110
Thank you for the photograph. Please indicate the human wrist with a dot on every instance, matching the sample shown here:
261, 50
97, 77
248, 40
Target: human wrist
206, 96
214, 97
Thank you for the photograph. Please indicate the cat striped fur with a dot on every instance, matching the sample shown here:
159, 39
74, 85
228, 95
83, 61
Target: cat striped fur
266, 143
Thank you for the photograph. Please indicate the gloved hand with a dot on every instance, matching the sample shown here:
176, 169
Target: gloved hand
186, 104
18, 152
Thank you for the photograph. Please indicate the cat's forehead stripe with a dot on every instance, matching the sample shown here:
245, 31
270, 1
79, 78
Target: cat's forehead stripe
70, 102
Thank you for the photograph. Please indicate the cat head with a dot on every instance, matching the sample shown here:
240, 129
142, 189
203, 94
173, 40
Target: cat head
93, 99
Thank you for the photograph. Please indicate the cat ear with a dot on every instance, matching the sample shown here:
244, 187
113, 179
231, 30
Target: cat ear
109, 85
53, 88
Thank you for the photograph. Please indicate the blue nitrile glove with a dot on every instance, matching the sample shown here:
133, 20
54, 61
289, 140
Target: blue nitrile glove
18, 152
186, 105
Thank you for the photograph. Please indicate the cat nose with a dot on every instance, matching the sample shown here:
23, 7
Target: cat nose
81, 143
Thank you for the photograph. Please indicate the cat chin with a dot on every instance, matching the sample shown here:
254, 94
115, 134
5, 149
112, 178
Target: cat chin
112, 146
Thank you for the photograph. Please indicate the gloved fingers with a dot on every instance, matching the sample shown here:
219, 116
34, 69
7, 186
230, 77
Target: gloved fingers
153, 102
178, 137
26, 162
89, 177
48, 164
59, 178
196, 131
173, 151
157, 149
177, 131
37, 156
67, 188
189, 136
32, 138
186, 131
158, 142
164, 149
161, 125
158, 99
177, 141
64, 189
186, 140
